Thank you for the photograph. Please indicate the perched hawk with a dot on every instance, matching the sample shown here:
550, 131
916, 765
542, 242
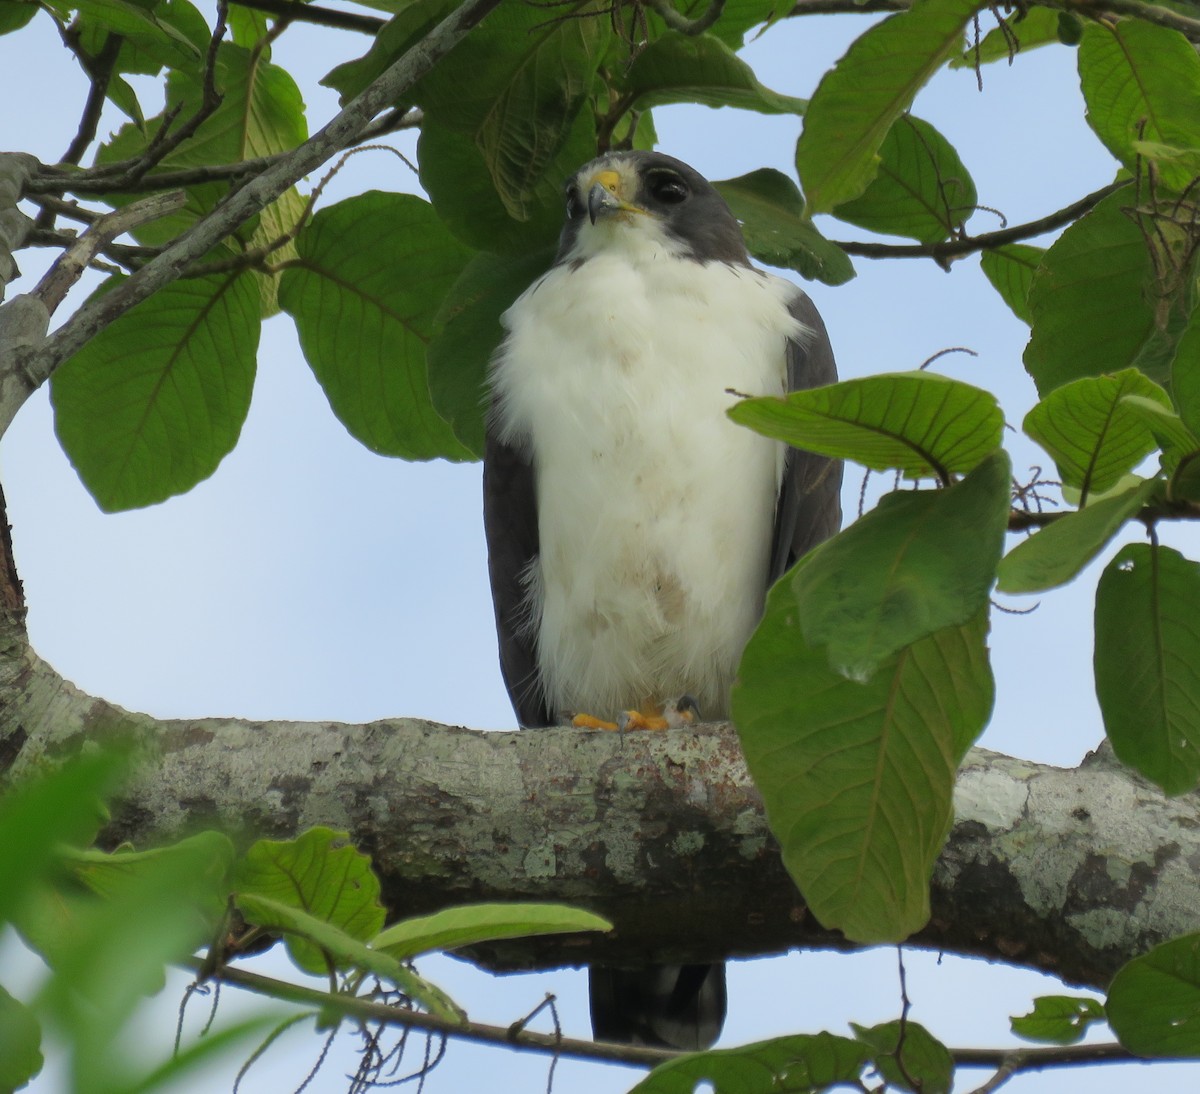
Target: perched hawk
633, 529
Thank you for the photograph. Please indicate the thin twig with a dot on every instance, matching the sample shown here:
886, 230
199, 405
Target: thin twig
322, 17
957, 248
676, 20
70, 265
99, 70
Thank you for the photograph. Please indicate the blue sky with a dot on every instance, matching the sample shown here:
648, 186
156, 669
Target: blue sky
311, 579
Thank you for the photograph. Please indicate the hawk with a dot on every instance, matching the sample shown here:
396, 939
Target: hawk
632, 529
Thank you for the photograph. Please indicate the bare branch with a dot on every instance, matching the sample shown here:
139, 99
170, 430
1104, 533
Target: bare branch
950, 249
100, 70
311, 13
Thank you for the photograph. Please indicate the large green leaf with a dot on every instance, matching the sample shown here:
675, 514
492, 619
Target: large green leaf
858, 778
922, 189
1154, 1000
455, 174
514, 87
1147, 663
777, 230
909, 1057
783, 1065
1141, 82
1093, 435
368, 280
1059, 1019
1054, 555
20, 1043
1091, 314
1170, 434
1010, 269
1185, 374
466, 333
154, 402
320, 874
920, 562
857, 101
308, 932
14, 14
683, 68
138, 24
468, 924
920, 422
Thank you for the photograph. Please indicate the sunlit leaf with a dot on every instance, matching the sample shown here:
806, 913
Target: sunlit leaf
922, 189
315, 934
857, 101
1154, 1000
1167, 428
682, 68
858, 778
1059, 1019
920, 422
1147, 663
803, 1063
320, 874
1088, 300
918, 563
1010, 269
468, 924
153, 403
368, 280
1022, 31
1055, 554
777, 231
1141, 82
1094, 436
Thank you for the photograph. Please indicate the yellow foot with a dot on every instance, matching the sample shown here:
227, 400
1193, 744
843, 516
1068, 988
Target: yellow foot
676, 712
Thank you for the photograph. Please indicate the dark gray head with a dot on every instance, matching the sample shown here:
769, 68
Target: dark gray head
635, 195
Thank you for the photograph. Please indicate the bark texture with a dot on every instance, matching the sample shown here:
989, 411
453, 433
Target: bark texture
1069, 871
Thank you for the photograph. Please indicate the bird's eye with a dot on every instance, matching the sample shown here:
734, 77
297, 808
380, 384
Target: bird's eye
668, 188
574, 204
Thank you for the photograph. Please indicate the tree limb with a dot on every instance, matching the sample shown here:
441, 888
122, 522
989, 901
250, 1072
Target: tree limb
312, 13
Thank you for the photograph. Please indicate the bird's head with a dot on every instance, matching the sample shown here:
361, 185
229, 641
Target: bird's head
635, 199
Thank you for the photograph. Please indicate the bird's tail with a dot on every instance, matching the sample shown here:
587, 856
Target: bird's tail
665, 1006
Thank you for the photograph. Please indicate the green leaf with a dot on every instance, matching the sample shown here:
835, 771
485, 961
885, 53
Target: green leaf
867, 90
1185, 374
1093, 435
368, 280
922, 189
1167, 428
320, 874
454, 173
118, 948
1055, 554
514, 86
919, 1057
154, 402
467, 924
317, 935
140, 26
682, 68
920, 422
1154, 1000
39, 814
918, 563
1058, 1019
858, 778
1088, 299
20, 1039
1011, 269
1026, 29
1147, 663
776, 229
1141, 82
14, 14
467, 331
799, 1064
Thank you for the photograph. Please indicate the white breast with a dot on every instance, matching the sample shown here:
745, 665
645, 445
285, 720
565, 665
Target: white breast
655, 510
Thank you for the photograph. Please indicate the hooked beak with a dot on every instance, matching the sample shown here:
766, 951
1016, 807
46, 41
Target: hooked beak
604, 198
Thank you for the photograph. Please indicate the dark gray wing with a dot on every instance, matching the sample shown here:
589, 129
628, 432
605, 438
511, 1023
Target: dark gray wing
810, 508
510, 523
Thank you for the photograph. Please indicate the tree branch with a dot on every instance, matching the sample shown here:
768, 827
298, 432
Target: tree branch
311, 13
947, 250
258, 192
